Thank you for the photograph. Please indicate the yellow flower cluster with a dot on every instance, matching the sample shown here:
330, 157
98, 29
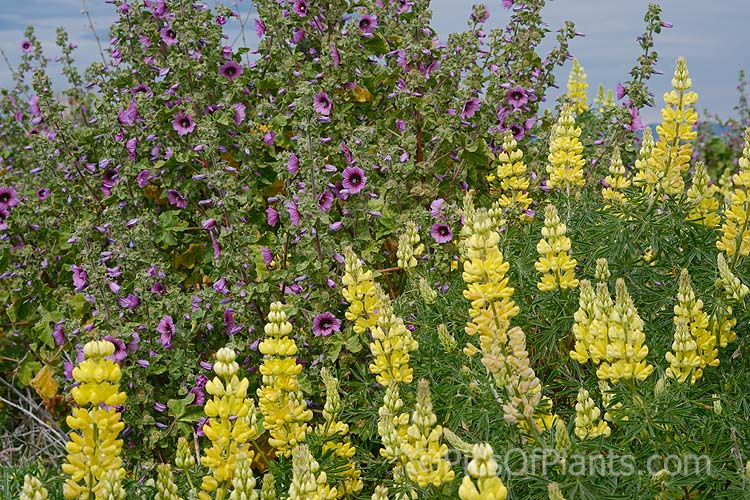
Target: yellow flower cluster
645, 176
391, 346
554, 491
166, 489
626, 349
702, 198
694, 346
33, 489
584, 317
409, 247
503, 348
392, 424
607, 102
427, 291
268, 488
588, 425
565, 157
729, 283
335, 433
555, 263
735, 230
359, 292
93, 449
616, 180
231, 425
512, 181
243, 482
670, 158
481, 481
380, 493
308, 481
426, 456
285, 413
577, 87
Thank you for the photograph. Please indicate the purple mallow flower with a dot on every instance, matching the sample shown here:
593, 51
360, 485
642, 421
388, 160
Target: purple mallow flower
322, 103
8, 197
230, 70
441, 232
354, 179
517, 97
325, 324
79, 277
121, 351
166, 331
129, 301
26, 45
367, 24
168, 36
183, 123
470, 107
300, 7
127, 117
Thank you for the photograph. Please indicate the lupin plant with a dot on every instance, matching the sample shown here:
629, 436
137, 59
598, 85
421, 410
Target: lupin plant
588, 425
409, 247
481, 481
230, 427
94, 446
577, 87
33, 489
566, 162
555, 264
670, 158
285, 412
616, 181
702, 198
511, 182
735, 229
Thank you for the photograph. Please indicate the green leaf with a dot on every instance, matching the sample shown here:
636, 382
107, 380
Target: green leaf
27, 370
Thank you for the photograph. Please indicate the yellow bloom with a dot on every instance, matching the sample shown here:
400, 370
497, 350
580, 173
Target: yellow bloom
616, 180
166, 489
503, 348
427, 463
588, 425
626, 349
512, 183
285, 413
645, 176
33, 489
409, 247
268, 488
577, 87
565, 157
93, 449
359, 291
702, 199
694, 346
481, 481
670, 158
308, 481
735, 230
584, 316
555, 263
231, 425
243, 483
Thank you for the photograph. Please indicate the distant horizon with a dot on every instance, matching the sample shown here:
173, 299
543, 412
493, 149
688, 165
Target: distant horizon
701, 30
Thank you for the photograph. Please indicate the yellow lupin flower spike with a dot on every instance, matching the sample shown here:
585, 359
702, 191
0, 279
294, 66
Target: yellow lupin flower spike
565, 157
409, 247
359, 292
735, 230
671, 156
285, 413
33, 489
616, 180
584, 316
93, 449
391, 346
231, 425
308, 481
427, 463
577, 87
555, 263
268, 488
483, 469
588, 425
335, 433
645, 176
694, 346
392, 424
702, 198
492, 308
626, 348
513, 183
243, 483
166, 489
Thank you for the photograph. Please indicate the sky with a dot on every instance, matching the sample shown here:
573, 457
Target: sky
713, 35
